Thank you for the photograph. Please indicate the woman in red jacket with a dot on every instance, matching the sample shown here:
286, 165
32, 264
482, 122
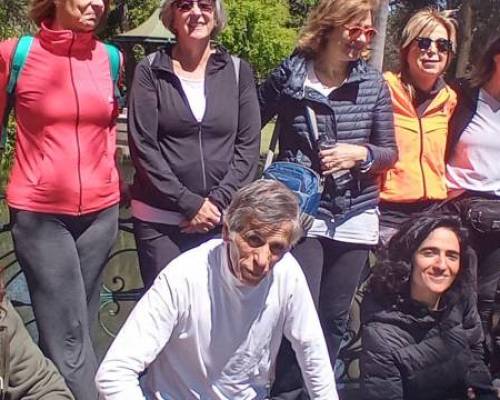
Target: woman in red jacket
63, 191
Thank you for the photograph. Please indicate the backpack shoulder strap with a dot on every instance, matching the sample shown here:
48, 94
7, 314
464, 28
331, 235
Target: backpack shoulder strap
114, 66
236, 63
114, 61
19, 56
18, 59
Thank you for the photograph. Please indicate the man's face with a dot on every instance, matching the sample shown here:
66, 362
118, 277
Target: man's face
254, 251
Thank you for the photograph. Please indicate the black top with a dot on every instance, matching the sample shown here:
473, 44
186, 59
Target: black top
412, 353
180, 161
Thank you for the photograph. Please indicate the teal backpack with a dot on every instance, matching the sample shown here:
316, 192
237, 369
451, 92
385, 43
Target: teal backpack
19, 56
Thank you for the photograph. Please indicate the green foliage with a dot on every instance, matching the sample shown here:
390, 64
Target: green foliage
299, 10
258, 32
127, 14
13, 19
140, 10
7, 154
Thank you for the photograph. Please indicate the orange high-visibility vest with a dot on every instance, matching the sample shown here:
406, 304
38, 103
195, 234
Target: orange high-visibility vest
419, 173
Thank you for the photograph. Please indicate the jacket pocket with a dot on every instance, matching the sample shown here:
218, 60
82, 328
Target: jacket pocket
42, 175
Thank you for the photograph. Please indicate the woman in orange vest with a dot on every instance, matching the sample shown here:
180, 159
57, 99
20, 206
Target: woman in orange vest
423, 104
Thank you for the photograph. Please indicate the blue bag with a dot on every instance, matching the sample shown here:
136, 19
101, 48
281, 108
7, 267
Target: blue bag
303, 181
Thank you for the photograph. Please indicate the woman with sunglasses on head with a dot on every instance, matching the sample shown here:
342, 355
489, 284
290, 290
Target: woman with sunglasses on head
421, 336
473, 173
63, 190
194, 135
335, 116
423, 104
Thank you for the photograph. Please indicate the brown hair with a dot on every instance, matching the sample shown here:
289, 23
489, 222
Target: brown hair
326, 16
423, 22
40, 10
485, 68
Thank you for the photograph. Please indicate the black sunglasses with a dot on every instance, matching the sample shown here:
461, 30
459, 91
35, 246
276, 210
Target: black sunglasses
442, 45
187, 5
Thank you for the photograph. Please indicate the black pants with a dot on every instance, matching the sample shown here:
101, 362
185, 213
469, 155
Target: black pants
333, 270
158, 244
487, 247
63, 258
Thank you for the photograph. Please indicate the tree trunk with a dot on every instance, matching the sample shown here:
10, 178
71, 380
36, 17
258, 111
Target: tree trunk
377, 56
466, 25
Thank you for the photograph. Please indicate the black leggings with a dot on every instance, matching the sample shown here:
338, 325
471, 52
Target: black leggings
333, 270
158, 244
63, 258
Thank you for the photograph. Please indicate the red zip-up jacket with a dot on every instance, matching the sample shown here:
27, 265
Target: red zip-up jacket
65, 112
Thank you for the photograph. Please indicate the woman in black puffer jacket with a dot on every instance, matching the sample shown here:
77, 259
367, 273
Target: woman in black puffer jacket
328, 84
421, 333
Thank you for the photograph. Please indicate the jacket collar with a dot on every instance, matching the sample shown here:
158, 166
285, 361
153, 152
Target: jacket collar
61, 42
163, 60
298, 72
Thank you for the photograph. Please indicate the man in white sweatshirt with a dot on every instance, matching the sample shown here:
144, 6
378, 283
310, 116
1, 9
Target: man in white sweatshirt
211, 325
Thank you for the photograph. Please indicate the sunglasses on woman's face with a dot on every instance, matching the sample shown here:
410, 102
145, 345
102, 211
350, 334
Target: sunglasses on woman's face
354, 32
187, 5
442, 45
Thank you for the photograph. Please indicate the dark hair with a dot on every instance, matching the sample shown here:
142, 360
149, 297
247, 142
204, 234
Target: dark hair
392, 273
485, 68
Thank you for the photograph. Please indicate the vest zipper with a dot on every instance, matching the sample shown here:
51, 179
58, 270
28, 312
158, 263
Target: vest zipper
77, 127
421, 132
203, 172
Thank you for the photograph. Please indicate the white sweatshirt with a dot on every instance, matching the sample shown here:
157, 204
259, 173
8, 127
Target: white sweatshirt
202, 334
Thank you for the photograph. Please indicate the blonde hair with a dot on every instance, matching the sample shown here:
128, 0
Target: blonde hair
326, 16
167, 16
41, 10
424, 22
485, 68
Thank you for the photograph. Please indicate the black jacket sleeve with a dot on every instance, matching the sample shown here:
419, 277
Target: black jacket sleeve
247, 143
382, 143
380, 376
144, 146
462, 115
269, 92
478, 372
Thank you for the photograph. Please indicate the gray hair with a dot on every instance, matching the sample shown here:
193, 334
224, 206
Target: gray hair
167, 16
264, 202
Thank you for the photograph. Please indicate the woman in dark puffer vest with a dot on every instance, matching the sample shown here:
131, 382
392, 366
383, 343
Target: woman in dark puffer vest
421, 333
351, 104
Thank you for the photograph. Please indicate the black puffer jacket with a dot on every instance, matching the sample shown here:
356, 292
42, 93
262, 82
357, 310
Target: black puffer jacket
464, 112
412, 353
358, 112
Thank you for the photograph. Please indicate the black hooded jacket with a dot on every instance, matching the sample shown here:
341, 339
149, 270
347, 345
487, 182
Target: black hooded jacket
412, 353
180, 161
